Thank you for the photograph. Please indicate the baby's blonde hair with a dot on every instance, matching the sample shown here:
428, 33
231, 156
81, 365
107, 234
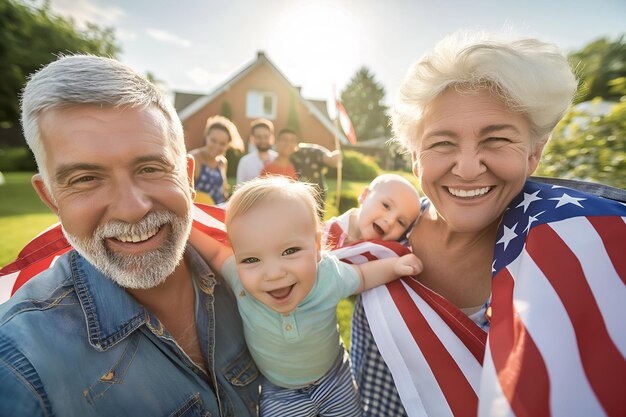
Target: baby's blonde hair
384, 178
276, 189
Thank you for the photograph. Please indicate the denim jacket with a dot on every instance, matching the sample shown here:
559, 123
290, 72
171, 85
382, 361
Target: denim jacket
74, 343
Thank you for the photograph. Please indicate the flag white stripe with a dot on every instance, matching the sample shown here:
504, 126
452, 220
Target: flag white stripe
375, 301
6, 286
464, 359
493, 402
559, 349
604, 281
200, 216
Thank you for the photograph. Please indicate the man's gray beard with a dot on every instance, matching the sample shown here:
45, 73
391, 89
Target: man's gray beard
143, 271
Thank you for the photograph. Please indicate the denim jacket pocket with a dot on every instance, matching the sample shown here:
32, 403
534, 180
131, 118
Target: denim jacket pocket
243, 376
242, 370
193, 407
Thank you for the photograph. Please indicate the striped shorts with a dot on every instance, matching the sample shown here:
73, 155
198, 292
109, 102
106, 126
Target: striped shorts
335, 394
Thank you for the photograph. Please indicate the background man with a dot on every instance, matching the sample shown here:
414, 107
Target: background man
132, 318
262, 137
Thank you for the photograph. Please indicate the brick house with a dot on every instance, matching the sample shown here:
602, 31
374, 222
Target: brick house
258, 90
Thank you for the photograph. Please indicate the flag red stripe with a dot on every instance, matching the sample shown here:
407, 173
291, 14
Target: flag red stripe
334, 233
612, 230
604, 365
50, 243
520, 368
35, 268
455, 387
472, 336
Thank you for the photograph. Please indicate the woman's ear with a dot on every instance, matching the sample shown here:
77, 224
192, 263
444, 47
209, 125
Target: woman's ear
535, 156
414, 164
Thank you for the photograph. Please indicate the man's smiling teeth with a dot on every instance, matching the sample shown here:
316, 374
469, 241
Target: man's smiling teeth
134, 238
468, 193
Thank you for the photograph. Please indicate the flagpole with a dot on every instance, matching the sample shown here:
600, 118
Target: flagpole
337, 147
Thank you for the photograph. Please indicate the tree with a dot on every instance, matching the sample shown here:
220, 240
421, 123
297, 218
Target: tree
31, 37
589, 147
590, 141
599, 65
363, 100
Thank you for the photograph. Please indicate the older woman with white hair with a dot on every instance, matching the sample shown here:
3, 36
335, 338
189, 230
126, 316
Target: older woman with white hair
519, 308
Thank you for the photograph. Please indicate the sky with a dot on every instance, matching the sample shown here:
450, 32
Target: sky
195, 45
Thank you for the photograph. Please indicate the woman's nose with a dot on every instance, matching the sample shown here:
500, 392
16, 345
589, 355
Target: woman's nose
468, 164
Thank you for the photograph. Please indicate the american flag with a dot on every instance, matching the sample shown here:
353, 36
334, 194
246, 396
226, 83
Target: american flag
557, 344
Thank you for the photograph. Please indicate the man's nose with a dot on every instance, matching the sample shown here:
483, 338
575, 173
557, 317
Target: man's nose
129, 202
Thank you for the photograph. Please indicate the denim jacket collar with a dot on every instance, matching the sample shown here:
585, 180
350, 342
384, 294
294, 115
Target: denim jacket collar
111, 313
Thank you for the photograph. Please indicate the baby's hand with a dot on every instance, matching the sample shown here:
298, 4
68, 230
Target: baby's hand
408, 264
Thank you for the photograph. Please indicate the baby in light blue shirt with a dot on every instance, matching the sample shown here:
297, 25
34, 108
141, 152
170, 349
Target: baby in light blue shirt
287, 291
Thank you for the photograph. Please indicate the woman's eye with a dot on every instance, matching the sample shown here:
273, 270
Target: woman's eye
402, 223
291, 251
385, 205
249, 260
441, 144
498, 140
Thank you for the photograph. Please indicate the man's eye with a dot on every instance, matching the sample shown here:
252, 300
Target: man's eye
150, 170
402, 223
291, 251
249, 260
82, 180
385, 205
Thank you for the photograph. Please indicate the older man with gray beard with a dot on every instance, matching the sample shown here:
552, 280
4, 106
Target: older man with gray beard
132, 321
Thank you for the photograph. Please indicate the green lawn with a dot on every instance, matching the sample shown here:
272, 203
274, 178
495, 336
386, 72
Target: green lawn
22, 214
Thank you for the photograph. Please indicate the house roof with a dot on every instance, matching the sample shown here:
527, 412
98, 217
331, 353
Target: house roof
314, 109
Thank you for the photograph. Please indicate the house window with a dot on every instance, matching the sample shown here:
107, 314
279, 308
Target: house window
261, 104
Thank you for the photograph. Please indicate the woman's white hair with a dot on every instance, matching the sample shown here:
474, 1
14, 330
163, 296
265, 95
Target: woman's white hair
90, 80
530, 76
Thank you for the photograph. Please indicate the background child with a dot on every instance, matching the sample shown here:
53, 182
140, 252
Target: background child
287, 291
387, 209
286, 145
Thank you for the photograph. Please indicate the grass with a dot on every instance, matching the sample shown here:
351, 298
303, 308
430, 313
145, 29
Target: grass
23, 216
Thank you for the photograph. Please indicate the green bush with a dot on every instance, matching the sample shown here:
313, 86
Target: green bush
357, 167
17, 159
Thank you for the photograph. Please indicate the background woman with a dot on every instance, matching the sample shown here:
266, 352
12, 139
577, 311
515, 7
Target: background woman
211, 164
537, 267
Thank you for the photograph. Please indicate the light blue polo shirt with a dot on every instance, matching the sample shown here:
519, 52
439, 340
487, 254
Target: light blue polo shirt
297, 349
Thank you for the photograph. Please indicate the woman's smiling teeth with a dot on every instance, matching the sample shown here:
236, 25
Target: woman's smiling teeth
468, 193
135, 238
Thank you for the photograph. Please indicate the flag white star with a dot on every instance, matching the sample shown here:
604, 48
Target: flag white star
531, 220
493, 266
508, 235
528, 198
567, 199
